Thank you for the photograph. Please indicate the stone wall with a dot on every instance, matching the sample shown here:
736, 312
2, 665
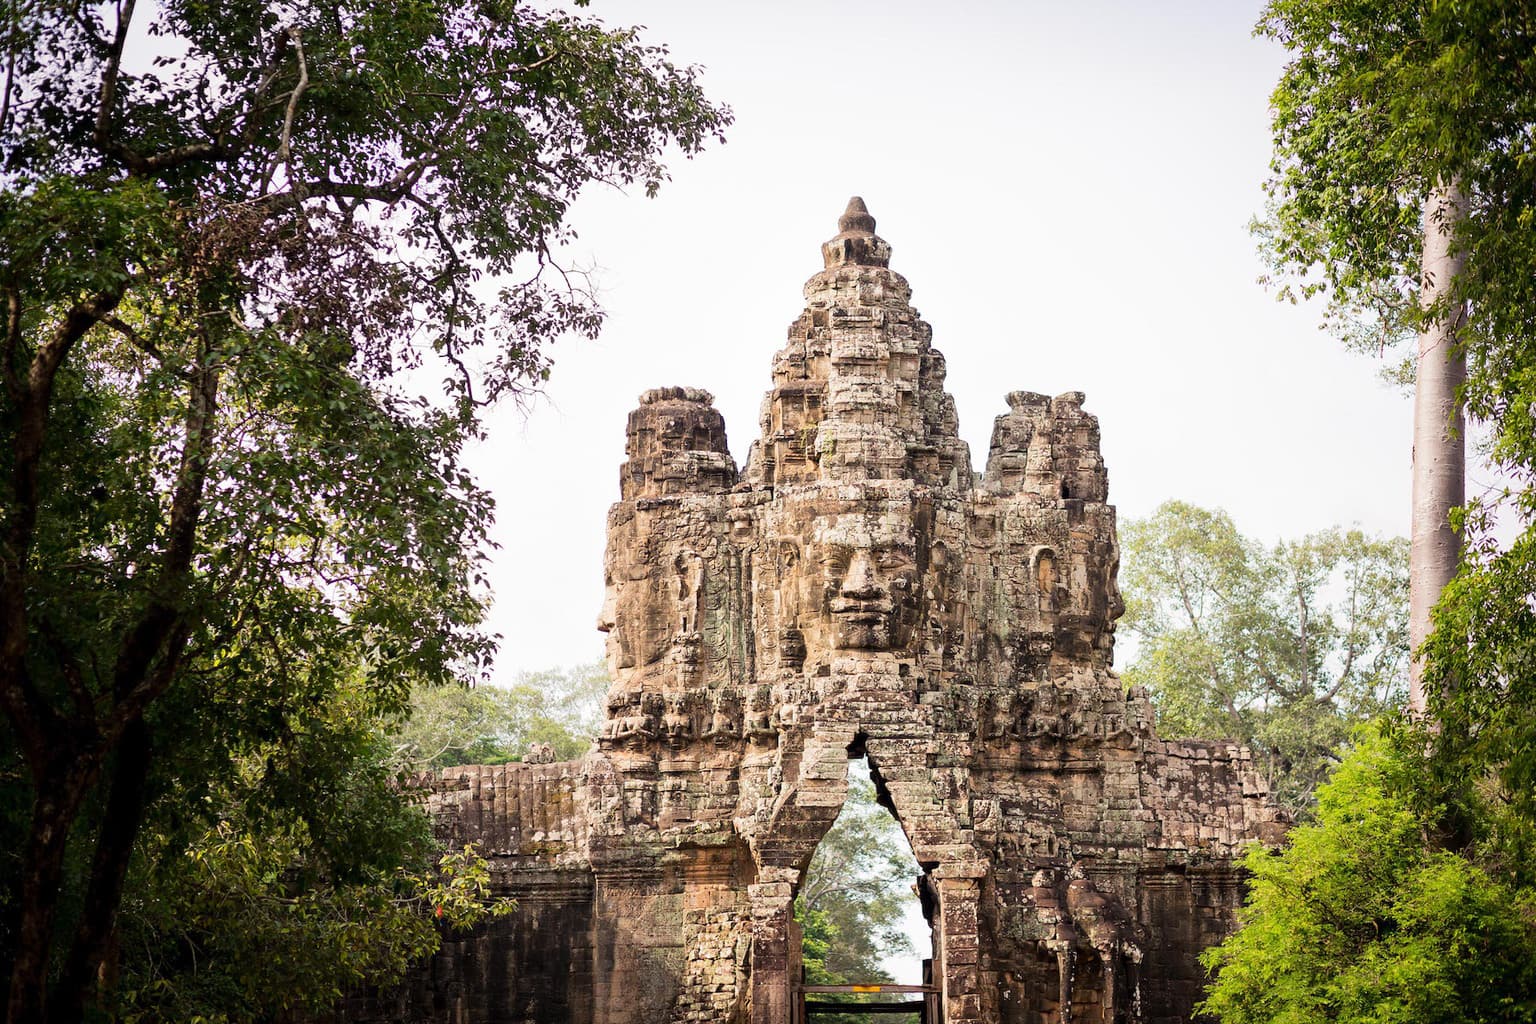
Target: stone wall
857, 590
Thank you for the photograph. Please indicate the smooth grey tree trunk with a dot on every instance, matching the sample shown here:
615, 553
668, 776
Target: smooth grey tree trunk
1439, 445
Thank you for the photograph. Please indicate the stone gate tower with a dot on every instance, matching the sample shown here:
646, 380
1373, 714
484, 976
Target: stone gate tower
856, 589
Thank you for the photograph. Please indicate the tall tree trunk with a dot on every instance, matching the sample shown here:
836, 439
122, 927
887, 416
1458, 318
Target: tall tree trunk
1439, 446
78, 983
67, 755
59, 792
63, 761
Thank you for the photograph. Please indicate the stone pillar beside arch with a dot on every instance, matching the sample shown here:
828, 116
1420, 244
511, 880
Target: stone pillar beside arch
802, 806
773, 935
957, 941
929, 798
927, 802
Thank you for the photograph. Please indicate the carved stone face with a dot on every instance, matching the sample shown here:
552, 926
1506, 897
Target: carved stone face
869, 579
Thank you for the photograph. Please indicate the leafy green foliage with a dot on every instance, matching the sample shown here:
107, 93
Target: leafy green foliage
1413, 896
453, 725
1359, 920
1378, 102
1286, 649
300, 942
230, 494
269, 879
1481, 681
256, 920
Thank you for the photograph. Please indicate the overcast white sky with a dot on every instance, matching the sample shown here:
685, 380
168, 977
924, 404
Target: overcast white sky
1066, 186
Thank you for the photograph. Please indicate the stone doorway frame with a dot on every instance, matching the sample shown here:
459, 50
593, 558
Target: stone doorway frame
950, 874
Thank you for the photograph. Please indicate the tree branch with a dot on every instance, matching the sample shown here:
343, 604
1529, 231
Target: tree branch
101, 135
80, 694
34, 719
12, 29
12, 342
143, 344
245, 129
283, 155
108, 94
1306, 653
120, 824
161, 631
1351, 648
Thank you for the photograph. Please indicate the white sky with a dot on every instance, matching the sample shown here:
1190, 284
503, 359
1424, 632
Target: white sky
1066, 186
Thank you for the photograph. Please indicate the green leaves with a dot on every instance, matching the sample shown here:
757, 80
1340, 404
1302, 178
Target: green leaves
269, 881
1379, 102
1284, 648
1357, 920
66, 239
1481, 678
258, 290
1410, 898
451, 725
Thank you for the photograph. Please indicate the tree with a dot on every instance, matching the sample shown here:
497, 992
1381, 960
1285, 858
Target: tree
1480, 663
571, 705
854, 895
313, 874
1286, 649
492, 725
1411, 898
1360, 921
228, 270
1403, 190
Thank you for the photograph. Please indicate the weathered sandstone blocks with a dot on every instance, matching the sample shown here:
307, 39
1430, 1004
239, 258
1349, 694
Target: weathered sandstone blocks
857, 590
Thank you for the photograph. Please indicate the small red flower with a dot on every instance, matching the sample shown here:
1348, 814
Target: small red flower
439, 911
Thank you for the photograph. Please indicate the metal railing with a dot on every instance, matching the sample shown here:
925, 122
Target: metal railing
927, 1007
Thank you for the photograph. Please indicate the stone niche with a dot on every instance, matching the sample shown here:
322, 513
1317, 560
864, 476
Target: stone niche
857, 589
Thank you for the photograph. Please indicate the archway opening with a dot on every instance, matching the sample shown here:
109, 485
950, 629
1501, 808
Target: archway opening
859, 911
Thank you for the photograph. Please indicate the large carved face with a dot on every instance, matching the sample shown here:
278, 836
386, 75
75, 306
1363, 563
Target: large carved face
868, 571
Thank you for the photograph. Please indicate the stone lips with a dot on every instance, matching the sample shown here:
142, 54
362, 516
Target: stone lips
856, 589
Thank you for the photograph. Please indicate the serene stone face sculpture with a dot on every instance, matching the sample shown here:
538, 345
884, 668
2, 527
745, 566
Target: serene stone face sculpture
858, 589
869, 579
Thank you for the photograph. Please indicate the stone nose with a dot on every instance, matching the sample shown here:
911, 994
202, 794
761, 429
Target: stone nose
862, 581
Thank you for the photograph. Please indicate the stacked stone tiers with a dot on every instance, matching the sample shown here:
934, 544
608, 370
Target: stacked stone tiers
856, 590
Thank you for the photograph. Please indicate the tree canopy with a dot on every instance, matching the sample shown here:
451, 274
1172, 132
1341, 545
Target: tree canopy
309, 872
1286, 648
1411, 896
262, 266
1378, 103
562, 707
1360, 921
1403, 191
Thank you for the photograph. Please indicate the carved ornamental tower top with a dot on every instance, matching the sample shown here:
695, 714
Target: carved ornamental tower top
857, 527
858, 389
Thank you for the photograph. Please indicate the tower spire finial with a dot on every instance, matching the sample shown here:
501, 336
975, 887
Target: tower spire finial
856, 241
856, 219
